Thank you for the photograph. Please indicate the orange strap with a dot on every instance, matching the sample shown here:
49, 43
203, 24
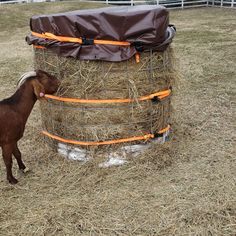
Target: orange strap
137, 57
160, 95
78, 40
83, 143
39, 47
164, 130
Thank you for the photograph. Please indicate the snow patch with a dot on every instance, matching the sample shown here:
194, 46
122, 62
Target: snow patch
116, 158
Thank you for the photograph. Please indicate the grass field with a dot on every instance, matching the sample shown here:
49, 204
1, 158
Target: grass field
185, 187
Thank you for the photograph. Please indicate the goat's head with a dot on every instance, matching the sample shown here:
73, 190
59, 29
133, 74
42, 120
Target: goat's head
45, 83
42, 82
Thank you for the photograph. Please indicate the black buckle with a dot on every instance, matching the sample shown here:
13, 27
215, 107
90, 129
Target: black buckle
138, 46
156, 135
156, 99
86, 41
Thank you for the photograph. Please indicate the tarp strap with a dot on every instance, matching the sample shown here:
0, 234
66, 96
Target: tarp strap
39, 47
137, 57
82, 41
124, 140
155, 96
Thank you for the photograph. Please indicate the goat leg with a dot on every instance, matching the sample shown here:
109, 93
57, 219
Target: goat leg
17, 155
7, 150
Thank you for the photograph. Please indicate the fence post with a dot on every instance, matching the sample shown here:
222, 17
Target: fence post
182, 4
213, 2
132, 2
221, 3
107, 2
157, 2
232, 3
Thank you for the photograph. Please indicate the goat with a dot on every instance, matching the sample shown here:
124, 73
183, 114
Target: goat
15, 110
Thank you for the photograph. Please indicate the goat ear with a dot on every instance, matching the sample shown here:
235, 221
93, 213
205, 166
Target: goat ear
39, 90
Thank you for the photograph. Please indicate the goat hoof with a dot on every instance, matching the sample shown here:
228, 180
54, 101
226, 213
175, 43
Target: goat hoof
26, 170
13, 180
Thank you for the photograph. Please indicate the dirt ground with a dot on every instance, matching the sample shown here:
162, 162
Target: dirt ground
184, 187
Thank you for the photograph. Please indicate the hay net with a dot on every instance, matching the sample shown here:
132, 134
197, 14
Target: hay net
99, 79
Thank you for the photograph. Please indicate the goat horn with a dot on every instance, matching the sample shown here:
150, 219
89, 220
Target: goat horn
24, 77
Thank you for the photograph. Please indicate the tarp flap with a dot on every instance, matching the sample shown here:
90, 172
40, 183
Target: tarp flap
144, 27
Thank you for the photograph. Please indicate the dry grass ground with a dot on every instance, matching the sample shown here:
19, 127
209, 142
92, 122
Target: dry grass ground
185, 187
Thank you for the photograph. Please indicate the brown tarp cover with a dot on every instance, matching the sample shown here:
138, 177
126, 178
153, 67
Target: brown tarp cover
144, 27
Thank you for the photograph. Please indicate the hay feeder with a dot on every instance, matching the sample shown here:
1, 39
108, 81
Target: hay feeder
116, 71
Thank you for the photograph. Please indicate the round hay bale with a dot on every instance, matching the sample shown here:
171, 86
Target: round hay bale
104, 80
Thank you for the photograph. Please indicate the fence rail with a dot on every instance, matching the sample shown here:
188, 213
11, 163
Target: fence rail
167, 3
175, 3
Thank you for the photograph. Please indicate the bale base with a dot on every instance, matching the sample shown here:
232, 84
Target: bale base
113, 157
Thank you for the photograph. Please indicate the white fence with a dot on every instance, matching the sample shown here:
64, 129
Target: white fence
167, 3
24, 1
174, 3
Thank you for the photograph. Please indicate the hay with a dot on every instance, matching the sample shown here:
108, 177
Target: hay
107, 80
184, 187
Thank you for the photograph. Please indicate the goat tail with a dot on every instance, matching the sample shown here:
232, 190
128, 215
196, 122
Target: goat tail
25, 76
